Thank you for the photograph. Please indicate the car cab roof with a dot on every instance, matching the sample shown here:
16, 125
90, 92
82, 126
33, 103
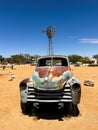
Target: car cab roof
53, 56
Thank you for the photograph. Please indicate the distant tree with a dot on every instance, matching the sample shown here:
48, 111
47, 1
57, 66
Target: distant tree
19, 59
8, 60
74, 58
36, 57
27, 57
1, 59
85, 60
95, 56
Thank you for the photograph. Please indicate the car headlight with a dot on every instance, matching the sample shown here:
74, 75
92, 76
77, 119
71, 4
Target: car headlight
23, 86
76, 87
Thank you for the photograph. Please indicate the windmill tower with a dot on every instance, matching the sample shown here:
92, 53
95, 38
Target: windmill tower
50, 33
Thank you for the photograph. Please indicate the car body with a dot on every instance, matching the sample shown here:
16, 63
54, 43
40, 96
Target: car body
52, 81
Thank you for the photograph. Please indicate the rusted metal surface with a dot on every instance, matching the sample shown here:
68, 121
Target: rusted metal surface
27, 80
51, 77
75, 90
52, 72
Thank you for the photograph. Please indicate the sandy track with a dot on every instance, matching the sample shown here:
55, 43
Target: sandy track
11, 117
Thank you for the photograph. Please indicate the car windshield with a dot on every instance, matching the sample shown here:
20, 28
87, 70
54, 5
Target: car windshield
52, 62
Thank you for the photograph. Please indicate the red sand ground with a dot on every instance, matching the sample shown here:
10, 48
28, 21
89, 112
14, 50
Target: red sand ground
11, 117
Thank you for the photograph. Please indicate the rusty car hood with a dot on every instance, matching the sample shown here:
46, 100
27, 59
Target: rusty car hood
51, 77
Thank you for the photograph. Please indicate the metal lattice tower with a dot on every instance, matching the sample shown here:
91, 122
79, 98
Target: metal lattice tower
50, 33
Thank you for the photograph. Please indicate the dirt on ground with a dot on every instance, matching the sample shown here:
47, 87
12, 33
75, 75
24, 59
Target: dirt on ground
11, 117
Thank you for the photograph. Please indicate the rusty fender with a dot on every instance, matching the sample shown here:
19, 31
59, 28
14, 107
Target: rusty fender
75, 90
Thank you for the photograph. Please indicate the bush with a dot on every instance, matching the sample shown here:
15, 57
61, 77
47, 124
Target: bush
93, 65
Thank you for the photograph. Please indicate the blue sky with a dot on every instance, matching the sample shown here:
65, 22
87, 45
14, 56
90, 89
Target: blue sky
76, 23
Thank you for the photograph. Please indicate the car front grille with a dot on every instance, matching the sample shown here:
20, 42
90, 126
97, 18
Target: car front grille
62, 95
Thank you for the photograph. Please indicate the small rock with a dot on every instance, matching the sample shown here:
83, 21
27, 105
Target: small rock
10, 79
12, 76
89, 83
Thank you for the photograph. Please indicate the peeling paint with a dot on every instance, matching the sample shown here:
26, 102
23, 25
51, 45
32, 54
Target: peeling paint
51, 77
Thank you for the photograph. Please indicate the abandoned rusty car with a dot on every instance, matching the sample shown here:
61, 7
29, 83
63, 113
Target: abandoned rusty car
52, 82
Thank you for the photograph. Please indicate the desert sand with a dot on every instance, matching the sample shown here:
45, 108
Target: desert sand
11, 117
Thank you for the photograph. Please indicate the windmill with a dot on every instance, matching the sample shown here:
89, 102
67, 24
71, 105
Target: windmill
50, 31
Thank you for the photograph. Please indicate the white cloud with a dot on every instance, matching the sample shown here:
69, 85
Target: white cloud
71, 37
89, 40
